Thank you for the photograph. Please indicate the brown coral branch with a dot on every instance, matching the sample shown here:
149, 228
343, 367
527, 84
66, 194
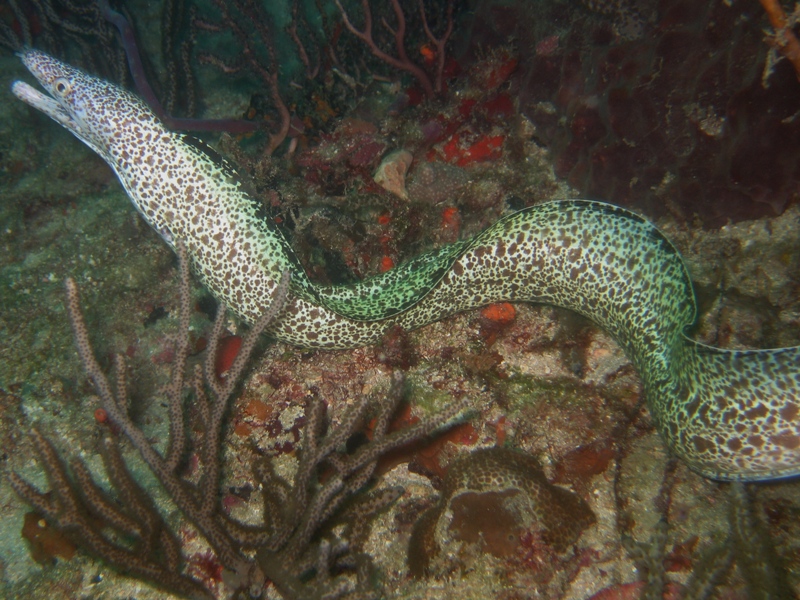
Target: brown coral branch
401, 61
291, 29
240, 17
73, 509
293, 546
141, 519
784, 37
440, 42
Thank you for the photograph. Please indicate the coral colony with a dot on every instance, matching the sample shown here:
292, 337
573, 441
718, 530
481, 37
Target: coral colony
370, 131
127, 530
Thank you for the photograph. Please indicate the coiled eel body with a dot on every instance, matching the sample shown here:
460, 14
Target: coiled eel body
731, 415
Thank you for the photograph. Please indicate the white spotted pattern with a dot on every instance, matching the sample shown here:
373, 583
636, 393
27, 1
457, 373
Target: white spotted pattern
731, 415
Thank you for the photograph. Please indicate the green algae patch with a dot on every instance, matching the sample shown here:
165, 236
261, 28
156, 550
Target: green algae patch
424, 396
525, 391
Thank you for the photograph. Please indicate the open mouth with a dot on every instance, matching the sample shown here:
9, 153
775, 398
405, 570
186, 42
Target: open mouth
48, 105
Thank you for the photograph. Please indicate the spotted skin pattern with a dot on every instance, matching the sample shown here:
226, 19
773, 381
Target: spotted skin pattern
731, 415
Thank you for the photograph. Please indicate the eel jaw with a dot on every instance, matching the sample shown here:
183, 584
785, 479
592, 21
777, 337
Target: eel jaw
48, 105
49, 72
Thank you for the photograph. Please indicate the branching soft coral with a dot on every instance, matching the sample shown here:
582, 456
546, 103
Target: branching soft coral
293, 547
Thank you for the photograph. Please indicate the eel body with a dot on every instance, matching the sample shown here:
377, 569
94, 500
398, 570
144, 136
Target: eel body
731, 415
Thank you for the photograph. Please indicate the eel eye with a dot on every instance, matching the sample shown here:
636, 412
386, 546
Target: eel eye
62, 86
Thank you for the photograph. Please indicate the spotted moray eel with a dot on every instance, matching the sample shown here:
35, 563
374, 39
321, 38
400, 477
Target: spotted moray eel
731, 415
